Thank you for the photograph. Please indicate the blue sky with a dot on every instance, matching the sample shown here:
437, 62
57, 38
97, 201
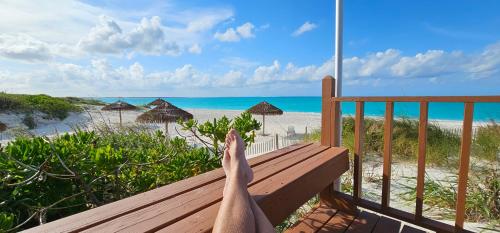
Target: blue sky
248, 48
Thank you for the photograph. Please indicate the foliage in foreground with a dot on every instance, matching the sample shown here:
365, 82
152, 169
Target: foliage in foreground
215, 131
53, 107
44, 179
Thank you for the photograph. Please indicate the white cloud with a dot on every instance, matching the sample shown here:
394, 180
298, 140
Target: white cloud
244, 31
100, 77
195, 49
266, 74
307, 26
229, 36
231, 79
147, 38
54, 21
68, 29
24, 47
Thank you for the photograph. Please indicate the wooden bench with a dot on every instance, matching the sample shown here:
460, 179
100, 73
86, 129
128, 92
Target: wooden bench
283, 181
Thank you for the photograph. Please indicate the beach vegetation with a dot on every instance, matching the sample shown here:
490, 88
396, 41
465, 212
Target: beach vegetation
52, 107
483, 195
84, 101
443, 148
43, 179
212, 134
29, 121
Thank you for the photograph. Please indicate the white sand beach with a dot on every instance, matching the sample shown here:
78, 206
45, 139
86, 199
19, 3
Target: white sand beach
299, 122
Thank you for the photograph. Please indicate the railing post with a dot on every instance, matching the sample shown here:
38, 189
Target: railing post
327, 92
358, 149
464, 166
386, 179
330, 128
422, 145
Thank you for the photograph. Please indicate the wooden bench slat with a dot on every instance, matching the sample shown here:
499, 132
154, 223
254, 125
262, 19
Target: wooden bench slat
410, 229
283, 193
105, 213
338, 223
313, 221
201, 221
363, 223
277, 195
172, 210
387, 225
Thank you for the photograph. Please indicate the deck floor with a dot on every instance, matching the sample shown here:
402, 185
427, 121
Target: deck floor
324, 219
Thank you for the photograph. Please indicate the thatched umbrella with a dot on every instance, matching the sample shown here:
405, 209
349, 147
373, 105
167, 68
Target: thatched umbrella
156, 102
164, 113
119, 106
265, 108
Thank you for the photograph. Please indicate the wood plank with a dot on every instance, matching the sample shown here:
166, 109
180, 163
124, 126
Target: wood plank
174, 209
386, 179
464, 165
201, 221
422, 145
338, 223
400, 214
387, 225
358, 149
281, 194
410, 229
99, 215
460, 99
365, 222
313, 221
327, 92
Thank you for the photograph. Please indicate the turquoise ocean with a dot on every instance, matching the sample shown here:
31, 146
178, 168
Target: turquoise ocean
442, 111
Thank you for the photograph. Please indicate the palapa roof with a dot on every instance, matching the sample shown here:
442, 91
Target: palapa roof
165, 112
265, 108
157, 102
119, 105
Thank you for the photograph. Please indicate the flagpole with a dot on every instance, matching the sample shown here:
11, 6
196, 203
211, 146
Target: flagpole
338, 70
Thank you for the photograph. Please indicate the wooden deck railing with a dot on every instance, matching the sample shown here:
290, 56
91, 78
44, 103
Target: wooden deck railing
331, 118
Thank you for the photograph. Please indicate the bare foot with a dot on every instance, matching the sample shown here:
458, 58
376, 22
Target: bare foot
237, 165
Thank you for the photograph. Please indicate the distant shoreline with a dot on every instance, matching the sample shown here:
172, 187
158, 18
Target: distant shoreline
483, 112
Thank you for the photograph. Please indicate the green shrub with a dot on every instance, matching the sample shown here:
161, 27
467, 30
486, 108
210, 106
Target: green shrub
53, 107
87, 169
29, 121
3, 127
54, 178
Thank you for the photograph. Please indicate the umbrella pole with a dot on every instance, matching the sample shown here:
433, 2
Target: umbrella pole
166, 130
263, 124
120, 113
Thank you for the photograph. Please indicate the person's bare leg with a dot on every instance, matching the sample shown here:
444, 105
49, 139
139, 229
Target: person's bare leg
262, 222
235, 213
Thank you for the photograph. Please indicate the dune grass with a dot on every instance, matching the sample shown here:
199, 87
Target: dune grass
53, 107
443, 148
